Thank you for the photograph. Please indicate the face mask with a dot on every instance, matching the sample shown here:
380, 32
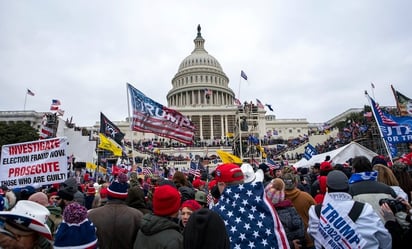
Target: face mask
215, 192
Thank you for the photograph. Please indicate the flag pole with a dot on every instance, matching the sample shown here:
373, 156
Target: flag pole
373, 90
25, 100
238, 93
130, 121
396, 99
379, 127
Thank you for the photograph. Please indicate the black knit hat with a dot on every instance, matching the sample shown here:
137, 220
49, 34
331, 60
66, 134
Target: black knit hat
187, 193
205, 229
67, 189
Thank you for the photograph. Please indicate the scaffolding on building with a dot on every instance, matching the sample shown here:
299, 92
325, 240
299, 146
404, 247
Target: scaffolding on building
247, 143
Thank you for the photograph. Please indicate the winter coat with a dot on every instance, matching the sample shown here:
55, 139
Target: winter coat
371, 192
291, 221
158, 232
136, 199
367, 224
117, 224
302, 202
55, 218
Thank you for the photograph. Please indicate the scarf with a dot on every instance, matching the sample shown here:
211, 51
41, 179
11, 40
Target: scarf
363, 176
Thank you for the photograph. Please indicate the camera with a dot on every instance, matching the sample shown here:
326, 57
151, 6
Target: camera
395, 205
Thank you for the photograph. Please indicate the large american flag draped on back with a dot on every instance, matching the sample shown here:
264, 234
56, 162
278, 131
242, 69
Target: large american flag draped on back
150, 116
251, 221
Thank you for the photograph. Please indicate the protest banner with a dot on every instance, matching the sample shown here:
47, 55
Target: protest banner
39, 162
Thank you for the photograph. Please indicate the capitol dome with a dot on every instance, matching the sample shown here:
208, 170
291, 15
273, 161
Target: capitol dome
200, 80
200, 57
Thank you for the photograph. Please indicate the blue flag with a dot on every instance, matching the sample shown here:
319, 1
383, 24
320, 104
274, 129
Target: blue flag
309, 152
269, 107
393, 129
251, 221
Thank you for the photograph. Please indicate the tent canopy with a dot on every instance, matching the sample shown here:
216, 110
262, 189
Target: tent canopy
340, 155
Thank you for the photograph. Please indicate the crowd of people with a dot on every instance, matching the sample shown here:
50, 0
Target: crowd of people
364, 203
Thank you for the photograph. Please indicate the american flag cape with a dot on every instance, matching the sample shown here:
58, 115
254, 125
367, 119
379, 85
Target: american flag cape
251, 221
152, 117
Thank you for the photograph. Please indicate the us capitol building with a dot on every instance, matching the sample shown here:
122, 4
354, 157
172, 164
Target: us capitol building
200, 90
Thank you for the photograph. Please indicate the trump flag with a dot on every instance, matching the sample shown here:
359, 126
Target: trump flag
150, 116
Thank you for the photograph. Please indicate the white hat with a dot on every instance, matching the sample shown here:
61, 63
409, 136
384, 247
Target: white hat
31, 215
248, 172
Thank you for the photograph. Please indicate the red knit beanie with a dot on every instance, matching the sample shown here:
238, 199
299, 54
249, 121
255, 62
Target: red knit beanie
228, 172
166, 200
191, 204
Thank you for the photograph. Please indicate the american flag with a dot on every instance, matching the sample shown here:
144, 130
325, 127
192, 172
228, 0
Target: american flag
255, 162
152, 117
272, 164
46, 132
54, 107
380, 115
194, 169
147, 171
251, 221
259, 104
237, 102
56, 102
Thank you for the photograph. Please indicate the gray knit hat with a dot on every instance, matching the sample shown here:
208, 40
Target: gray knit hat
337, 180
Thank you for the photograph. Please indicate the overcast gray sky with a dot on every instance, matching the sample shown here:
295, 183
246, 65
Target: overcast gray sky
308, 59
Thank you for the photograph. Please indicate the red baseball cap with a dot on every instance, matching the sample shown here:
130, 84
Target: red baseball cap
228, 172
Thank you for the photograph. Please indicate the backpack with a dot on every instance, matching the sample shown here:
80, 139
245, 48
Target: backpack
353, 214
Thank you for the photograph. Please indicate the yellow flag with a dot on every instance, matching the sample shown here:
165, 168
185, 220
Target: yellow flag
91, 166
102, 170
227, 157
262, 150
108, 144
